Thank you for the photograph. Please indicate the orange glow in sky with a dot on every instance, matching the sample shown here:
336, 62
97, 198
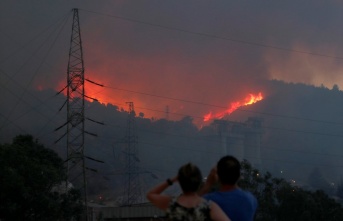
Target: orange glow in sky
105, 95
250, 99
118, 98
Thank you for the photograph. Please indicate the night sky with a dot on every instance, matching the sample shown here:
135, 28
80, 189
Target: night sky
194, 57
213, 52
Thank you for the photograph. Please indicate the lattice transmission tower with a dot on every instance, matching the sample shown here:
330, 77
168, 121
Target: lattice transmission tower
76, 165
76, 169
132, 171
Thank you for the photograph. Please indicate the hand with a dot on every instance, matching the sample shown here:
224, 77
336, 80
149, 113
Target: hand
174, 179
212, 178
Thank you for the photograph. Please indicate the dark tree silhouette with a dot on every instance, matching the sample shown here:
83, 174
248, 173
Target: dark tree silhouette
29, 175
281, 200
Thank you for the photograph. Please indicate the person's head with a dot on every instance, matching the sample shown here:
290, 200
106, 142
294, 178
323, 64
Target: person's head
189, 177
228, 170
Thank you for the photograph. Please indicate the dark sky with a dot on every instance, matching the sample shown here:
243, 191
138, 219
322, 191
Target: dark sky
213, 52
193, 56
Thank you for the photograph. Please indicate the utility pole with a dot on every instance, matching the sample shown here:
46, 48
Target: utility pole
133, 187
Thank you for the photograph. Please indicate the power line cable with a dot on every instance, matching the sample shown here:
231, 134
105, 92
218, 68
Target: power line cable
212, 35
222, 107
274, 128
53, 43
226, 107
33, 108
269, 114
265, 127
29, 42
291, 130
223, 38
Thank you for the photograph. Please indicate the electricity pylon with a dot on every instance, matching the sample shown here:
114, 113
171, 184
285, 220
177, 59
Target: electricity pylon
133, 186
76, 169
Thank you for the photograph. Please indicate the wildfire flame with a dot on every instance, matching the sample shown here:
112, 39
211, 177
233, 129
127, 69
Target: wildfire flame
250, 99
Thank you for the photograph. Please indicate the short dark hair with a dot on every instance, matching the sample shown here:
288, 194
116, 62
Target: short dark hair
189, 177
228, 170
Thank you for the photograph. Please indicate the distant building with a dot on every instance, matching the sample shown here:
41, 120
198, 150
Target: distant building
242, 140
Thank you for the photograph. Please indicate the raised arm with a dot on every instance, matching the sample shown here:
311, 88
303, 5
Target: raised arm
211, 180
159, 200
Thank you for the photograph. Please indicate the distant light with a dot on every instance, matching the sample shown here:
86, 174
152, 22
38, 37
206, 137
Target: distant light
281, 171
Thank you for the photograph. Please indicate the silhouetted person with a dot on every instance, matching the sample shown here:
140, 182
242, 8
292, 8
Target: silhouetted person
189, 205
238, 204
